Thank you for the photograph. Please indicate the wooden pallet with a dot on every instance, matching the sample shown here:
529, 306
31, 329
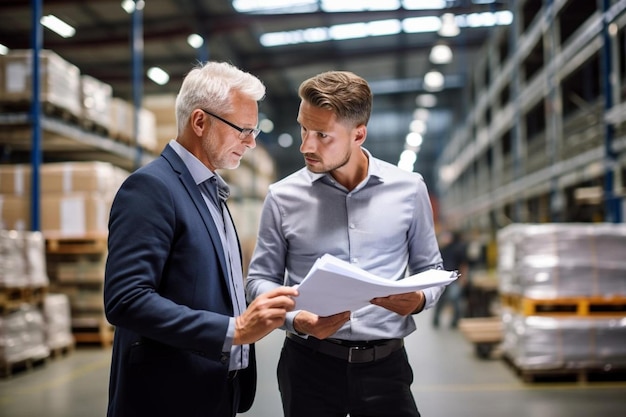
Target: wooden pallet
485, 333
8, 369
11, 298
47, 108
79, 245
101, 334
62, 351
567, 306
95, 127
10, 295
578, 374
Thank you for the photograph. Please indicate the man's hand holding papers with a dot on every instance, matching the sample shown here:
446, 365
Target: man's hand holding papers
333, 286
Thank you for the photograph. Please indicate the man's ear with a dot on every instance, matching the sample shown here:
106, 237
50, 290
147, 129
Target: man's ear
360, 132
198, 121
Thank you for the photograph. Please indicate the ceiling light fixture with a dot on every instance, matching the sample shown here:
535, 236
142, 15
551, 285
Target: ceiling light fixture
128, 6
414, 140
195, 41
418, 126
266, 125
434, 81
421, 114
158, 75
407, 160
285, 140
440, 54
426, 100
449, 27
58, 26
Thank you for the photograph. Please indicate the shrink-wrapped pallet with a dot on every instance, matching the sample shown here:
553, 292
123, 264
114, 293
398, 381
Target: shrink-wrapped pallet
562, 260
546, 343
60, 81
22, 335
12, 260
22, 259
57, 315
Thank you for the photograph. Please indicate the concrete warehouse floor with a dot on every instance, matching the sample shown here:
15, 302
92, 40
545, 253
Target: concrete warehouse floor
450, 380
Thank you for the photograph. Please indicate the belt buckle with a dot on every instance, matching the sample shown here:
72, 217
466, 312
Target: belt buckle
353, 353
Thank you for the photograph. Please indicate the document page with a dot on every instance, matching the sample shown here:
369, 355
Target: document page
333, 286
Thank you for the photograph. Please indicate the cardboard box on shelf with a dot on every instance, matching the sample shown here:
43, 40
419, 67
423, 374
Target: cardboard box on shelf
62, 215
62, 177
96, 101
60, 80
121, 120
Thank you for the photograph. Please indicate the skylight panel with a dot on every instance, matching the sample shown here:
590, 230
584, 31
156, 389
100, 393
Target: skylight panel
275, 6
424, 4
331, 6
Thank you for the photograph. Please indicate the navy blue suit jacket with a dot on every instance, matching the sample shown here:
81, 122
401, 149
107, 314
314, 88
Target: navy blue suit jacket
166, 291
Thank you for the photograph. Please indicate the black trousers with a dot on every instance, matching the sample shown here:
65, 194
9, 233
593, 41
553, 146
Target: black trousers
316, 385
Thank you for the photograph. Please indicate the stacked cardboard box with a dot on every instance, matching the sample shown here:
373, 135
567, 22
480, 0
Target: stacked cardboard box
122, 122
60, 80
75, 197
163, 106
97, 99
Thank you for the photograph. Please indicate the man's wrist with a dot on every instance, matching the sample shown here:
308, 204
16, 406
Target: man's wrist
421, 305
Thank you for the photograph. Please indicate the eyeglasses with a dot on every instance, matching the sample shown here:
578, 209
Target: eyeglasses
244, 132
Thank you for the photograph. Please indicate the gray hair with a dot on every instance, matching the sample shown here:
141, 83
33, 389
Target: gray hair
208, 86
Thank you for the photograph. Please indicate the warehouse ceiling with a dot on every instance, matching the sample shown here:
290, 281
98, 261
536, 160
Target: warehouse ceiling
394, 64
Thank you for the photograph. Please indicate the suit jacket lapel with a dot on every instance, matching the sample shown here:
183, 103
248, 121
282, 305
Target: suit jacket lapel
194, 193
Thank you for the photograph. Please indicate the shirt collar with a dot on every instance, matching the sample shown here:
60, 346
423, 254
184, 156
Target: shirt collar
199, 172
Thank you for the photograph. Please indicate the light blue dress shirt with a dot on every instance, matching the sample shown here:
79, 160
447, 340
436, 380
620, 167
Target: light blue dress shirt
384, 226
200, 173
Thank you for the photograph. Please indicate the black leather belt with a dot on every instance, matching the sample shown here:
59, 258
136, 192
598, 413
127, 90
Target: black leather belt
352, 352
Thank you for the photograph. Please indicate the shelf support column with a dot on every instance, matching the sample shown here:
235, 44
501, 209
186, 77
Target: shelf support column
35, 115
612, 209
137, 70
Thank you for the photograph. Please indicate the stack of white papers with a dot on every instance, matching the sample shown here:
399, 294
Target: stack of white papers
333, 286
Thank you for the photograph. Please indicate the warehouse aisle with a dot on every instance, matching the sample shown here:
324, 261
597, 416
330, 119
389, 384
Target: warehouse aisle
449, 381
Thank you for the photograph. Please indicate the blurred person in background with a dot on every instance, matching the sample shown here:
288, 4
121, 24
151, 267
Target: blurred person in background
454, 253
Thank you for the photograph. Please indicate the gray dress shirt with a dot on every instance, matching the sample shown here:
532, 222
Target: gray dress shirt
384, 226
